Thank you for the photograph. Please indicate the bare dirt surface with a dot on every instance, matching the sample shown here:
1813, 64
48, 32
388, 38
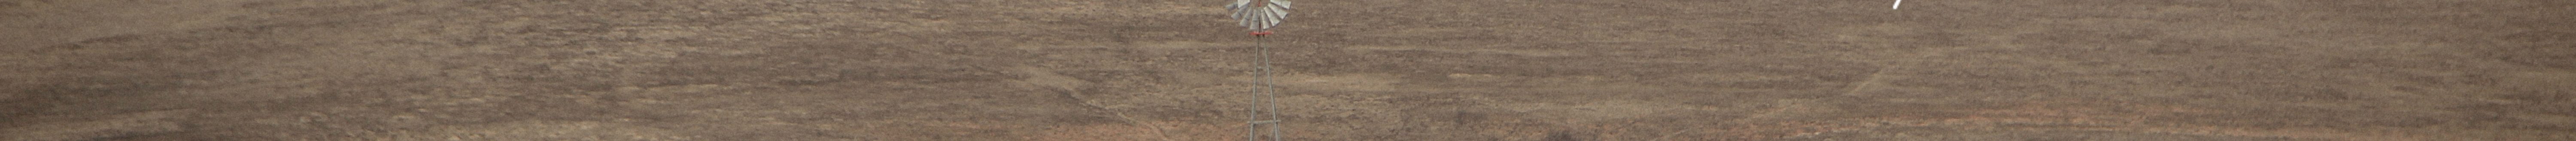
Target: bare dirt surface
1137, 70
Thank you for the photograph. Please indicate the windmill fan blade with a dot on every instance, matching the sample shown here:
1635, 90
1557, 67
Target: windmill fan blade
1259, 14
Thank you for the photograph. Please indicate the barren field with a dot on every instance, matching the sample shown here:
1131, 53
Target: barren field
1391, 70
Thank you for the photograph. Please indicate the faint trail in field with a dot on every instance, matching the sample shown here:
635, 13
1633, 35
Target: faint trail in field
1885, 66
2089, 124
1796, 129
1158, 130
1068, 87
2050, 115
1873, 78
1785, 106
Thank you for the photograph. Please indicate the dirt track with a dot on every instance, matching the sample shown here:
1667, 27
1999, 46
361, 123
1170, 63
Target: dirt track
1133, 70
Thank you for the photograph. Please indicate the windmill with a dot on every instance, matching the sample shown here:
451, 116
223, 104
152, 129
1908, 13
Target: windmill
1260, 16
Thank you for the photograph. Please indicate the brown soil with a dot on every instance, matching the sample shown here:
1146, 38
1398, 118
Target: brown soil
1138, 70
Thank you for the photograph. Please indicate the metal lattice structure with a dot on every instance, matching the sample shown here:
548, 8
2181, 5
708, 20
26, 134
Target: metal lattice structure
1259, 16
